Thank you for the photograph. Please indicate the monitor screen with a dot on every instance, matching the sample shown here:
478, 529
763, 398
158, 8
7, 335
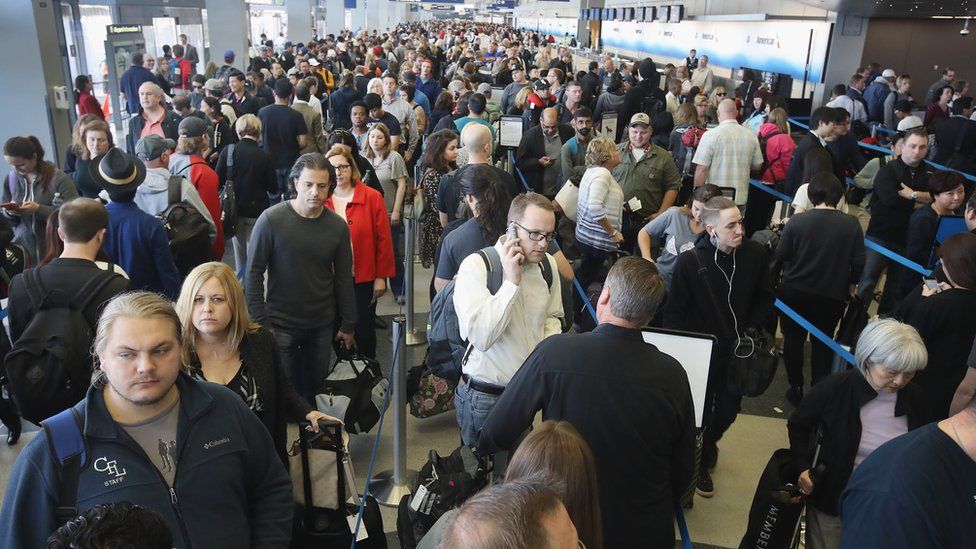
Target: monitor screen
663, 13
677, 13
649, 13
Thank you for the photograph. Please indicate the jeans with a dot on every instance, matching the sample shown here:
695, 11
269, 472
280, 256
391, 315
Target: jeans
285, 190
396, 282
306, 357
874, 265
824, 313
588, 271
472, 408
244, 227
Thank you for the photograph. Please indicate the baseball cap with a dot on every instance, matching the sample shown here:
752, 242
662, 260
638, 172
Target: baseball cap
640, 118
372, 101
229, 54
484, 88
909, 123
292, 71
541, 84
191, 126
313, 61
888, 73
213, 85
153, 146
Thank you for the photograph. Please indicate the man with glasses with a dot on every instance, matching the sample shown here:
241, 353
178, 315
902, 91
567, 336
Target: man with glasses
539, 152
505, 325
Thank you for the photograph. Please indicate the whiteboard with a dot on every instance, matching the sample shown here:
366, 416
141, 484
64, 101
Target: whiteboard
694, 352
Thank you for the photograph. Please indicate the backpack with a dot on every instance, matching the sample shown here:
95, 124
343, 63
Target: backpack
442, 484
49, 366
653, 104
448, 351
692, 136
228, 198
186, 228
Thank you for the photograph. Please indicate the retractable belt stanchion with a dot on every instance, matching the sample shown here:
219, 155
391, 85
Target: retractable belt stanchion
389, 487
413, 336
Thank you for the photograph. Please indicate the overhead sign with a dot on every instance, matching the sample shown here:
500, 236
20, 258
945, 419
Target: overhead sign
123, 29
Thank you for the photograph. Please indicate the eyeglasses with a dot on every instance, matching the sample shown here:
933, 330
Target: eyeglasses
720, 94
537, 236
342, 167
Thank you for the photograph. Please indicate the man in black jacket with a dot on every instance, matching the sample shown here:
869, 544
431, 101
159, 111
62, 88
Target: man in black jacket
539, 153
241, 99
721, 287
844, 148
899, 186
591, 85
955, 138
153, 117
641, 97
640, 486
823, 128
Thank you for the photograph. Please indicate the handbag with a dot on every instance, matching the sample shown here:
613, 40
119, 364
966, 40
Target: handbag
323, 482
228, 198
776, 506
752, 366
434, 395
354, 391
853, 323
568, 198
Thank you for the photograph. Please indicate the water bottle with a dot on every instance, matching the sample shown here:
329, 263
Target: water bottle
57, 201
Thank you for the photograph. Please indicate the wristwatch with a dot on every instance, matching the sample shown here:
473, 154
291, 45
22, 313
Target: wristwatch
915, 195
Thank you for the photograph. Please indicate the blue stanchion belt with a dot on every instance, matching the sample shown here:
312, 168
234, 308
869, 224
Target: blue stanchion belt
769, 189
815, 332
868, 243
3, 314
876, 148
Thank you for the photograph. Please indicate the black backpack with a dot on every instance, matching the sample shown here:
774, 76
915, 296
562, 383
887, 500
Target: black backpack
652, 104
186, 228
767, 162
442, 484
49, 366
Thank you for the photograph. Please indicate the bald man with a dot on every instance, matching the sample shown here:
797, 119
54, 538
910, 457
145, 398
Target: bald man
539, 153
152, 118
477, 144
727, 154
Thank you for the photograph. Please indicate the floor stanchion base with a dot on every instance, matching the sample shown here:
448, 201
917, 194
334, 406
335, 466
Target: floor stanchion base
416, 337
387, 492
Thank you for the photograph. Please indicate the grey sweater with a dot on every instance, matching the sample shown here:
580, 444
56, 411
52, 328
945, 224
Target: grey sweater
29, 229
309, 266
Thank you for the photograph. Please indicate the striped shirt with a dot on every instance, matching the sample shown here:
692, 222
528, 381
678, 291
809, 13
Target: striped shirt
600, 197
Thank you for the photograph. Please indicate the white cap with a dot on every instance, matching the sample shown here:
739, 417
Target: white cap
909, 123
888, 73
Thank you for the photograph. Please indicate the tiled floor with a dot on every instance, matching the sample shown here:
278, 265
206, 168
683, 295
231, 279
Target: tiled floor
719, 521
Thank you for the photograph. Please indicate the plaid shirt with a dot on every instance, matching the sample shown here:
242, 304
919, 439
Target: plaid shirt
730, 151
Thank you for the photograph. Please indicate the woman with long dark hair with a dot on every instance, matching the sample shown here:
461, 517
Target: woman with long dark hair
84, 100
440, 157
29, 190
488, 202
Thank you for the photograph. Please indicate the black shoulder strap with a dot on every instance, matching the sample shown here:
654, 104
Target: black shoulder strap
546, 271
35, 289
93, 288
66, 440
174, 189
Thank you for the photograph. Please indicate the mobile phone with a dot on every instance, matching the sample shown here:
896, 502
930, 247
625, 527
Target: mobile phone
7, 205
932, 283
510, 233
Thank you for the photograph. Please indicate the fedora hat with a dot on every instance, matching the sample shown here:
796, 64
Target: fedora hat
116, 171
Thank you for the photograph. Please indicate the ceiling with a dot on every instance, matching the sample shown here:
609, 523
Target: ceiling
897, 8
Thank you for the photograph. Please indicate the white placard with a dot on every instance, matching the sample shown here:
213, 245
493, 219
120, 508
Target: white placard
509, 131
694, 353
608, 125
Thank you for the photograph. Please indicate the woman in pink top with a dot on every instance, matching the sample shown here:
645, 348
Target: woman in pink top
777, 147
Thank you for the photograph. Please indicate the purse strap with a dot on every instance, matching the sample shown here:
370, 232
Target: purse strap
307, 475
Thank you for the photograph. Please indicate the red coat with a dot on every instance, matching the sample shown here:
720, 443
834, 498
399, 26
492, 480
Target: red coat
779, 152
186, 71
202, 176
87, 104
369, 230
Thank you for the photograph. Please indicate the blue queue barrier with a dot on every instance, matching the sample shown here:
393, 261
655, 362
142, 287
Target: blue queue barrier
883, 150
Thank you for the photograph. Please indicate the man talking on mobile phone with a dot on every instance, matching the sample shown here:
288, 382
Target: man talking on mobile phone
504, 324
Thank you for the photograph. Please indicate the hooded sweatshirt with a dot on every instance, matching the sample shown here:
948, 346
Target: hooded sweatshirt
778, 153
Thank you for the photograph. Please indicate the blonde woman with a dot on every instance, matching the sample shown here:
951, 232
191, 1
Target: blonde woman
391, 171
223, 345
717, 95
599, 209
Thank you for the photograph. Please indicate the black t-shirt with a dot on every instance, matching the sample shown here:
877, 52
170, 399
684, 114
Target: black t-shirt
280, 127
449, 191
391, 123
918, 490
890, 213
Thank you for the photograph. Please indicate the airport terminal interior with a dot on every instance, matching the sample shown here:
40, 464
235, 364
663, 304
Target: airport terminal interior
640, 152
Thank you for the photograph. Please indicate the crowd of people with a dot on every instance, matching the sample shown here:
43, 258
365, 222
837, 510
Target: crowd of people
303, 170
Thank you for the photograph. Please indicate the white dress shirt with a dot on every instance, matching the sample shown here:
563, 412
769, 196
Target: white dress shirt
504, 328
